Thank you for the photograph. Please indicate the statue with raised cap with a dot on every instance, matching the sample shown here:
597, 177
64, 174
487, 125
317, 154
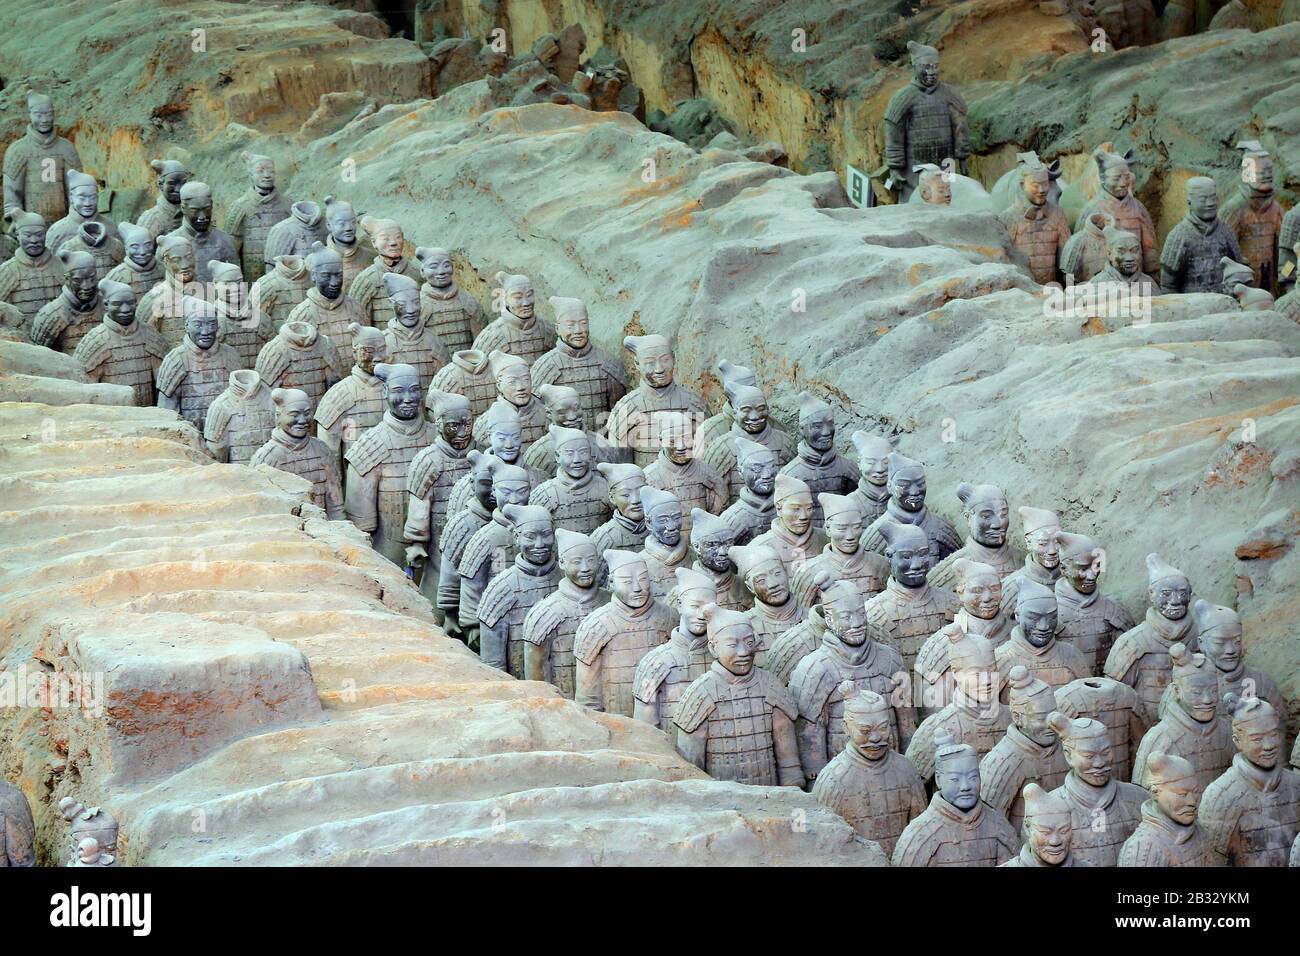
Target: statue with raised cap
326, 306
754, 509
979, 590
514, 592
517, 328
343, 239
164, 215
577, 498
1117, 706
1254, 216
775, 609
1190, 727
1033, 642
843, 556
732, 377
711, 542
1219, 634
141, 268
1121, 279
443, 589
626, 529
357, 402
666, 547
194, 373
679, 470
433, 472
241, 419
988, 519
563, 409
933, 184
514, 384
788, 650
909, 609
751, 422
368, 288
488, 551
1029, 753
292, 448
817, 463
597, 377
63, 322
409, 340
1169, 834
551, 625
121, 350
447, 310
1035, 224
469, 374
1084, 256
83, 209
906, 505
33, 277
925, 122
1191, 260
161, 307
255, 212
1086, 619
792, 535
632, 424
208, 241
1048, 830
667, 670
1042, 531
505, 440
1117, 200
36, 164
872, 492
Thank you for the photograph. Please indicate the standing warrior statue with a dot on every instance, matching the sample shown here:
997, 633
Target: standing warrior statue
368, 287
817, 463
733, 377
574, 361
666, 547
843, 557
355, 404
1116, 199
667, 670
1042, 555
33, 277
1254, 215
296, 235
1086, 618
469, 374
291, 448
253, 214
792, 534
121, 350
1048, 830
1192, 259
577, 498
1190, 727
908, 610
514, 385
925, 122
680, 470
35, 166
1169, 834
409, 340
872, 492
241, 419
485, 554
433, 472
141, 269
987, 522
196, 226
64, 320
518, 589
195, 372
324, 303
446, 309
1035, 223
1029, 753
626, 530
906, 505
550, 626
164, 215
631, 422
341, 224
754, 510
751, 423
517, 329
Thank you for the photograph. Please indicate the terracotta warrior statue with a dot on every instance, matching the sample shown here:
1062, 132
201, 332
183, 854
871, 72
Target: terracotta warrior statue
469, 374
300, 357
958, 828
550, 626
35, 166
974, 715
296, 235
680, 471
291, 448
846, 655
341, 224
906, 505
1117, 200
1169, 834
518, 588
872, 493
667, 670
736, 721
194, 373
196, 225
17, 829
279, 291
732, 378
33, 277
1117, 706
711, 543
1029, 753
987, 522
93, 238
666, 547
515, 387
243, 328
1085, 618
979, 590
433, 472
1085, 254
1191, 260
1190, 727
788, 650
844, 557
1033, 642
817, 464
64, 321
1219, 634
164, 215
1105, 811
626, 530
753, 510
1035, 223
909, 609
1254, 215
325, 305
252, 215
379, 462
409, 340
241, 419
504, 439
444, 593
141, 268
631, 422
1123, 268
1140, 657
933, 185
574, 361
517, 329
563, 409
611, 641
925, 122
487, 553
792, 534
1252, 812
161, 306
751, 423
447, 310
1048, 830
121, 350
577, 498
83, 207
88, 823
90, 853
869, 783
357, 402
1042, 554
1287, 240
775, 609
368, 287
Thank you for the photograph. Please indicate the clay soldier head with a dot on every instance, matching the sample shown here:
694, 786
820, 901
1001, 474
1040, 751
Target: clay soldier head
816, 423
138, 242
1256, 729
435, 266
533, 533
196, 206
170, 176
119, 301
83, 193
1081, 561
979, 588
29, 230
563, 404
956, 772
510, 484
404, 293
1251, 299
518, 298
906, 482
1115, 172
292, 412
758, 466
1195, 683
1219, 634
907, 549
228, 286
712, 540
480, 470
750, 407
572, 326
261, 172
1256, 166
868, 721
1123, 251
933, 185
845, 612
1036, 180
731, 639
79, 277
986, 511
654, 358
763, 573
694, 593
504, 431
578, 558
513, 378
1032, 702
402, 392
925, 64
340, 221
1174, 787
1049, 826
178, 258
89, 853
794, 504
1168, 588
386, 236
326, 268
452, 417
1036, 612
1203, 198
629, 578
40, 112
842, 521
369, 347
974, 667
625, 483
663, 515
201, 322
734, 376
676, 436
1042, 536
1086, 743
572, 451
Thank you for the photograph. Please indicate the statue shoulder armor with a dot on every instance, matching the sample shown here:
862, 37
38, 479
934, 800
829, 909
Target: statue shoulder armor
811, 685
498, 597
478, 549
424, 470
592, 635
543, 619
697, 702
1127, 651
652, 672
338, 399
172, 371
1000, 776
369, 450
93, 349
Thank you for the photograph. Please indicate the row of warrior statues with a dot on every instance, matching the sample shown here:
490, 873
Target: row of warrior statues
786, 614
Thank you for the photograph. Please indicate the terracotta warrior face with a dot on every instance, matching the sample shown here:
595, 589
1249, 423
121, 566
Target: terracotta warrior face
342, 224
515, 384
1125, 256
456, 428
1082, 572
294, 417
140, 249
574, 459
656, 366
958, 781
1038, 622
1030, 717
979, 681
1179, 799
1260, 740
505, 441
1198, 694
989, 522
981, 595
631, 584
1045, 547
870, 733
1090, 759
818, 430
263, 176
847, 621
120, 307
677, 446
1222, 645
907, 488
752, 415
626, 498
1204, 203
770, 583
927, 74
42, 117
481, 482
536, 542
403, 395
366, 356
581, 564
406, 305
1050, 836
796, 512
574, 330
437, 271
170, 186
84, 200
1257, 172
735, 648
875, 470
1170, 598
909, 565
511, 492
567, 412
692, 604
521, 302
666, 524
1036, 187
389, 243
31, 239
1117, 180
181, 264
82, 283
845, 531
197, 211
759, 473
327, 277
712, 549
